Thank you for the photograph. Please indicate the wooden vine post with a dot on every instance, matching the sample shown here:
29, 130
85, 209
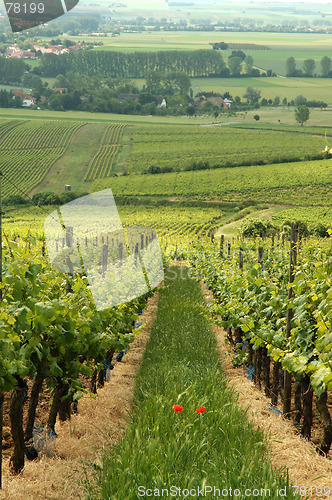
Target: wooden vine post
292, 265
260, 255
241, 259
222, 238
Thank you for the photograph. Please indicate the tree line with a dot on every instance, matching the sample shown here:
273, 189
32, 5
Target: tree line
11, 70
196, 63
134, 65
309, 67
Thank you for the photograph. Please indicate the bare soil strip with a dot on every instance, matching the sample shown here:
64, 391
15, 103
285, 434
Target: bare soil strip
305, 466
99, 424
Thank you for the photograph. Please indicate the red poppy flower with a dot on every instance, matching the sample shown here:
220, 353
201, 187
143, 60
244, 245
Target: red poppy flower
201, 409
177, 408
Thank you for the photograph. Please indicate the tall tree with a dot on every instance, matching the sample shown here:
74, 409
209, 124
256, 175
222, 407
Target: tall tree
325, 65
309, 67
234, 64
290, 66
252, 95
302, 114
248, 64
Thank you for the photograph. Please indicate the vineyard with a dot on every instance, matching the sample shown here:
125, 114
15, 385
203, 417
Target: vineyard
300, 183
53, 335
275, 331
174, 223
57, 346
179, 147
321, 216
102, 163
29, 149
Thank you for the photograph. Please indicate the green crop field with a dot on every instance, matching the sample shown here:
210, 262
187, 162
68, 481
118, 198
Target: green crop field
300, 183
310, 215
102, 163
175, 221
44, 155
282, 45
310, 88
178, 147
29, 149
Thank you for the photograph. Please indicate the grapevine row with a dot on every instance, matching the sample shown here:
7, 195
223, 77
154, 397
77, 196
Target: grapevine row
102, 163
29, 150
53, 336
251, 301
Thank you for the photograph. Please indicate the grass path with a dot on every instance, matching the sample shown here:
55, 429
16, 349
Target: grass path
163, 449
70, 168
231, 229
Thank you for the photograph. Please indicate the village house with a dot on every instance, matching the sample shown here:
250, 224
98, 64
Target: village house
215, 100
161, 101
28, 102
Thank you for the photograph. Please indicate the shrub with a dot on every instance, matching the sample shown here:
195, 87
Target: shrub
257, 227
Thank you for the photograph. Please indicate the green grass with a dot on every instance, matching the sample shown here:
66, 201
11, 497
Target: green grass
85, 116
162, 448
270, 87
72, 166
181, 40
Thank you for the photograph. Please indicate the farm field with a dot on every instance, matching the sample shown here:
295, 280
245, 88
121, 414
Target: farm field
300, 183
270, 87
73, 165
200, 39
103, 162
218, 146
91, 150
309, 215
85, 116
57, 153
173, 222
281, 45
319, 118
84, 148
29, 149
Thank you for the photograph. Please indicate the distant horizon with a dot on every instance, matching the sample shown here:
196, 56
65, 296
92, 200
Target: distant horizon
160, 4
